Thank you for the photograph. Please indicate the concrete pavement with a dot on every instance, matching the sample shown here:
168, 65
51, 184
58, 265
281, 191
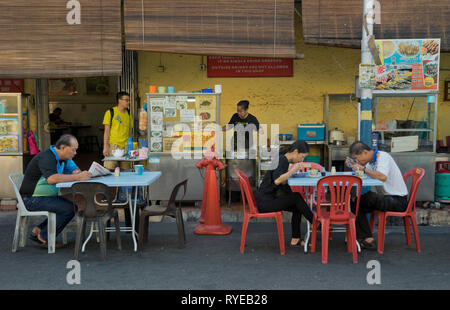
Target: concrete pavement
215, 263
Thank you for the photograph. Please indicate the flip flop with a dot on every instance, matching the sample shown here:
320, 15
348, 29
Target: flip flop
298, 244
34, 238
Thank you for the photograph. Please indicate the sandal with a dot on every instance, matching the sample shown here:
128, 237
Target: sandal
43, 243
368, 245
300, 243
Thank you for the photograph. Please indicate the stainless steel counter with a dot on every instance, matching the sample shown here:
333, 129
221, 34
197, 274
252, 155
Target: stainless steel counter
174, 171
425, 160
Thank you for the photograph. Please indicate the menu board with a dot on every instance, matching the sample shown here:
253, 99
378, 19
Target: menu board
179, 117
408, 64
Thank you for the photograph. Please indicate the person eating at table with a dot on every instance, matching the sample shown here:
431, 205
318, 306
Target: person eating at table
39, 191
274, 193
393, 196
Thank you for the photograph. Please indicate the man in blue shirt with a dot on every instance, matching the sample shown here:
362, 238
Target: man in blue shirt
39, 191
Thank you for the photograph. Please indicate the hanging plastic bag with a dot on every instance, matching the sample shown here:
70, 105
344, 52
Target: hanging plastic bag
32, 143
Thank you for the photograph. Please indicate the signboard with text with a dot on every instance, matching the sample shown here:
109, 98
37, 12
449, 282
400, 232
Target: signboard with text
11, 86
231, 66
411, 64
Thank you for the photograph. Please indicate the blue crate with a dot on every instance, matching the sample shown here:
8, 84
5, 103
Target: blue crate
311, 132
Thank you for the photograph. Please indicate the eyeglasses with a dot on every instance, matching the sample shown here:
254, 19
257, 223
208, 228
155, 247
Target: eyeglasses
127, 100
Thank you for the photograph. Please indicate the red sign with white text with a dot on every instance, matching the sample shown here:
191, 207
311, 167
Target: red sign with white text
11, 86
231, 66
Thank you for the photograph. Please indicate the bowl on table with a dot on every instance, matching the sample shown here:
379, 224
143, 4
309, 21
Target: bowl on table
118, 153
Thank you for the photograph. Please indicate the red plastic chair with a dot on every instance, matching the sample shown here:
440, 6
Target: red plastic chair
252, 212
339, 212
410, 213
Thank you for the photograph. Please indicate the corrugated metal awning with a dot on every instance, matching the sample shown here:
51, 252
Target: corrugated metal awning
259, 28
42, 38
339, 22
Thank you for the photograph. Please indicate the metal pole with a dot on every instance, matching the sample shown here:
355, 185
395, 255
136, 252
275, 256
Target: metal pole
365, 119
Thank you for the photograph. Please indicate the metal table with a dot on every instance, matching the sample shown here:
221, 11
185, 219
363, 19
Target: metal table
308, 181
125, 179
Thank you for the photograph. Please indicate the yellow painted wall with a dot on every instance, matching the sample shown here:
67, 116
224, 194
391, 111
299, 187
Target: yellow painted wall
285, 100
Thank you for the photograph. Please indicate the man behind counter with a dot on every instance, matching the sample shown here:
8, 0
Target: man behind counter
247, 120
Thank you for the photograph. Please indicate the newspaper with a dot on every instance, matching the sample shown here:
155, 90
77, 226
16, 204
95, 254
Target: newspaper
98, 170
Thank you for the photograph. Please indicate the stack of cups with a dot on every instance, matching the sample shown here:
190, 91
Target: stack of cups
161, 89
152, 89
170, 89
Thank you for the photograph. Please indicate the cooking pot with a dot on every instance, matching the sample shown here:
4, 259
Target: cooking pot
336, 136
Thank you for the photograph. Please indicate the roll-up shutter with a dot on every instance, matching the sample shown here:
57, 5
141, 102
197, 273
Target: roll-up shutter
259, 28
339, 22
60, 38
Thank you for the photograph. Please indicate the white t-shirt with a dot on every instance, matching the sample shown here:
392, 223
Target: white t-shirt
394, 184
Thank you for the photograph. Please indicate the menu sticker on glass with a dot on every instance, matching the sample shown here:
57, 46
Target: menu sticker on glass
206, 108
156, 144
157, 121
157, 104
187, 116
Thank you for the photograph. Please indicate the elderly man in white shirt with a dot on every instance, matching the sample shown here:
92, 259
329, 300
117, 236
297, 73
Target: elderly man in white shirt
393, 196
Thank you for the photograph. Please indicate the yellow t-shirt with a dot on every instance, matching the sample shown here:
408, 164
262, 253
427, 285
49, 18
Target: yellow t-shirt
120, 126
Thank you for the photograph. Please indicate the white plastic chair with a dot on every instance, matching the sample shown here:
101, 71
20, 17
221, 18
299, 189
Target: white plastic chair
22, 219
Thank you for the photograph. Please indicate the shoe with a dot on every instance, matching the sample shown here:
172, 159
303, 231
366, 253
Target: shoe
368, 245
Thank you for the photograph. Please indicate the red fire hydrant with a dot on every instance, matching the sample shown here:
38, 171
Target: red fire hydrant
210, 221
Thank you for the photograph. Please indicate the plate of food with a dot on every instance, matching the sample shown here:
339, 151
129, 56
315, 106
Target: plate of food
430, 47
430, 69
299, 174
408, 48
205, 116
157, 109
314, 175
388, 49
205, 103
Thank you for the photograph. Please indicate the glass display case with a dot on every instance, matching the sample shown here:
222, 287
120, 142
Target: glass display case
11, 140
11, 136
405, 122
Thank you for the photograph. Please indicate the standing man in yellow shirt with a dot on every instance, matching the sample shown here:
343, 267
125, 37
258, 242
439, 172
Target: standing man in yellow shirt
117, 130
118, 124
